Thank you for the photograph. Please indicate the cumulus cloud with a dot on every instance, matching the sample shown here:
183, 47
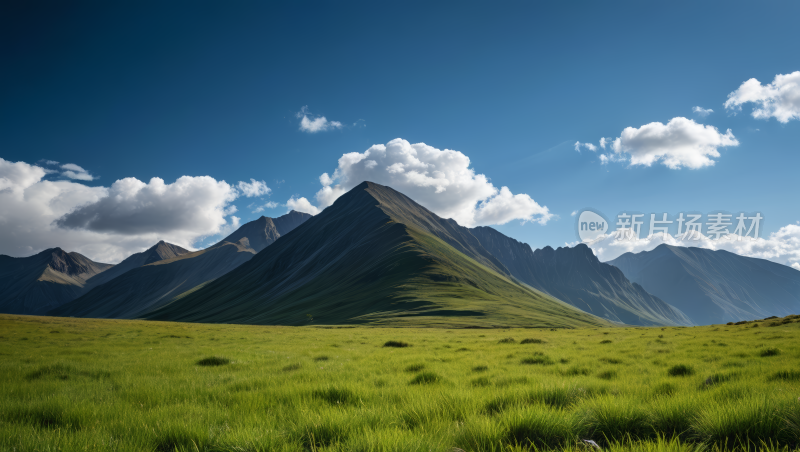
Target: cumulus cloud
588, 146
190, 205
779, 99
700, 111
302, 205
106, 224
74, 171
268, 205
603, 142
440, 180
313, 124
782, 246
679, 143
254, 188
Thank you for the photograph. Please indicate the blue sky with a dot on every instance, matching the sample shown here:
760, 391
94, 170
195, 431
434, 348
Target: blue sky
202, 89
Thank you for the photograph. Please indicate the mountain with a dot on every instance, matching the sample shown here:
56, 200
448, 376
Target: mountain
158, 252
262, 232
577, 277
714, 286
374, 257
33, 285
150, 286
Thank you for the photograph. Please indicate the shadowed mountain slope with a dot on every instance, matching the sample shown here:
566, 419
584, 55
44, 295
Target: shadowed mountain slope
33, 285
574, 275
714, 286
150, 286
158, 252
374, 256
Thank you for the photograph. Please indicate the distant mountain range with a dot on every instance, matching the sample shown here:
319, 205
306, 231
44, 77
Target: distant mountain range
154, 284
714, 286
377, 257
576, 276
36, 284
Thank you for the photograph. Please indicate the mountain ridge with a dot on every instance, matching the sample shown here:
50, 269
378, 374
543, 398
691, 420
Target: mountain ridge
35, 284
374, 257
714, 286
576, 276
149, 286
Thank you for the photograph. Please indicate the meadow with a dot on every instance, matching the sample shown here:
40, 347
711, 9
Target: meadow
77, 384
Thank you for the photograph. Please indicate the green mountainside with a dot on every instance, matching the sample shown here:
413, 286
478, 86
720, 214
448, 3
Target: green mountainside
374, 257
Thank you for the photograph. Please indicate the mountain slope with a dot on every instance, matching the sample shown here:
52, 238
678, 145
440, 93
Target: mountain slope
150, 286
33, 285
575, 276
262, 232
158, 252
375, 257
714, 286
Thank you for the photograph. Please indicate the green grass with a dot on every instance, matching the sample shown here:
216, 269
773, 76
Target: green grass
101, 385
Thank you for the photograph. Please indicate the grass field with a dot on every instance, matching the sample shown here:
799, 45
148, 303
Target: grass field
74, 384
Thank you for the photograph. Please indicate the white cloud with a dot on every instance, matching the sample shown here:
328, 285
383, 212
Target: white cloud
440, 180
679, 143
574, 212
106, 224
311, 124
782, 246
588, 146
603, 142
779, 99
49, 162
700, 111
268, 205
302, 205
254, 188
74, 171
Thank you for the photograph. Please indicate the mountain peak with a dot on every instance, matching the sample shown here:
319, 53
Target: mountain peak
262, 231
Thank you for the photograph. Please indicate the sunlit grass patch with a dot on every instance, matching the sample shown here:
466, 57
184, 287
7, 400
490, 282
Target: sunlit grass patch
274, 396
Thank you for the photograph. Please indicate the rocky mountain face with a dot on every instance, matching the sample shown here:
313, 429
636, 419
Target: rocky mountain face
576, 276
264, 231
167, 271
33, 285
714, 286
158, 252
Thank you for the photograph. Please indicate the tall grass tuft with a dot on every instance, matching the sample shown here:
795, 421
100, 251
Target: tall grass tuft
213, 361
680, 370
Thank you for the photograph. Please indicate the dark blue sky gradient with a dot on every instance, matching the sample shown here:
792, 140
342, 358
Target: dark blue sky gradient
139, 89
